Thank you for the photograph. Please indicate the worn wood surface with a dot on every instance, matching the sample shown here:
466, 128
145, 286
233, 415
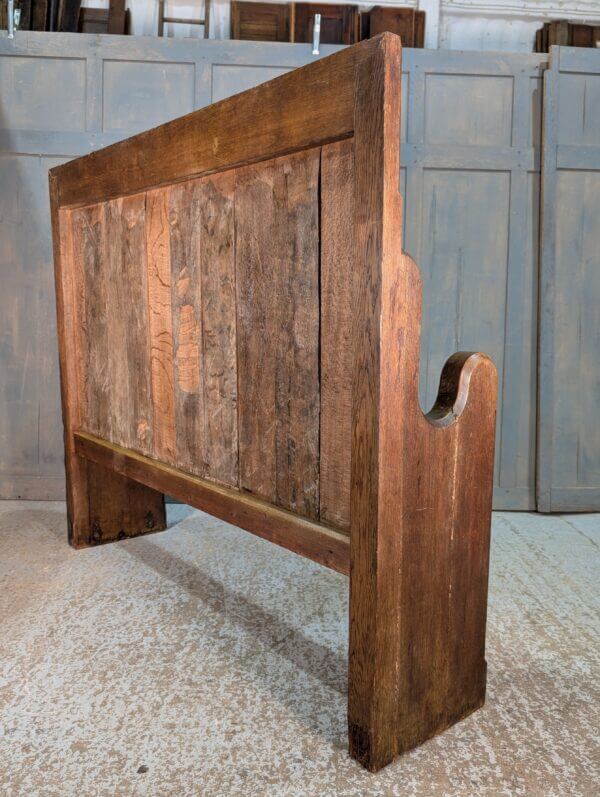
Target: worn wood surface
419, 517
307, 538
568, 476
260, 21
212, 139
277, 278
337, 276
236, 312
102, 506
339, 23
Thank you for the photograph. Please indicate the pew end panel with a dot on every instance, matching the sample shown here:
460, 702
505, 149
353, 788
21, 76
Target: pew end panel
239, 328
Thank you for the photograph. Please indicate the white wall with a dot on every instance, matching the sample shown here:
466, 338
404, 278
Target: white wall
507, 25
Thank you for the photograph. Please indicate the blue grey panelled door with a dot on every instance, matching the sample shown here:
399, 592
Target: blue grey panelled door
471, 136
569, 362
471, 170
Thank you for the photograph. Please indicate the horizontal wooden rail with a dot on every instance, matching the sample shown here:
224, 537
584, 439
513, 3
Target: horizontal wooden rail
312, 106
312, 540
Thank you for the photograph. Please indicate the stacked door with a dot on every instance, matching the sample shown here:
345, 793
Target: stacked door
568, 474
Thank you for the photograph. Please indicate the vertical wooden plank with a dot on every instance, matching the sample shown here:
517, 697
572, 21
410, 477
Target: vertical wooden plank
128, 340
215, 220
382, 392
187, 332
297, 384
91, 287
468, 561
256, 274
277, 278
160, 321
337, 273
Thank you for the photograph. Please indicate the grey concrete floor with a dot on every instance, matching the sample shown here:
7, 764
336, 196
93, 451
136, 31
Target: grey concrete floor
204, 661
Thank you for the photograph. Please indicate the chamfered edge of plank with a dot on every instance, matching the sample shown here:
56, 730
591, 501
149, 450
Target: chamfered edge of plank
313, 540
303, 108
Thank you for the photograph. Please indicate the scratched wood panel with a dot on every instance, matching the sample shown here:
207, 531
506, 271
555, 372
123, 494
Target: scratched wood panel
337, 271
277, 286
129, 367
28, 352
160, 319
91, 287
186, 303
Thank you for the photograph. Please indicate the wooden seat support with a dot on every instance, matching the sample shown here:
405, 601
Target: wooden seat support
239, 328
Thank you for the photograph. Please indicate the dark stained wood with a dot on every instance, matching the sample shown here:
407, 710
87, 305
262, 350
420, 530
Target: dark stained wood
337, 273
305, 537
566, 34
327, 309
117, 17
277, 279
420, 516
339, 23
260, 21
114, 19
39, 15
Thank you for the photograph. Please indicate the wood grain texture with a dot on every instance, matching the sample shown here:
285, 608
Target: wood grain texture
325, 297
337, 275
160, 321
305, 537
260, 21
101, 505
215, 197
277, 279
419, 514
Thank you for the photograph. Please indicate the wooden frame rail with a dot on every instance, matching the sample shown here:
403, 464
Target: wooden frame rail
239, 327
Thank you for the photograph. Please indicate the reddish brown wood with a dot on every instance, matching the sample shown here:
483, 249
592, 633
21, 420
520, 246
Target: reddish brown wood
296, 338
339, 23
419, 516
94, 495
260, 21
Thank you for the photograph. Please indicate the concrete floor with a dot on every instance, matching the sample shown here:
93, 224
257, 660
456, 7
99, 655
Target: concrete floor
203, 661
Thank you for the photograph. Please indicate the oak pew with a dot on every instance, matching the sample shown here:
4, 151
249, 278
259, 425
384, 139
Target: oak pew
239, 328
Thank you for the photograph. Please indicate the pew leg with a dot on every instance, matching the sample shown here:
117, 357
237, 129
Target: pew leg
419, 572
104, 506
